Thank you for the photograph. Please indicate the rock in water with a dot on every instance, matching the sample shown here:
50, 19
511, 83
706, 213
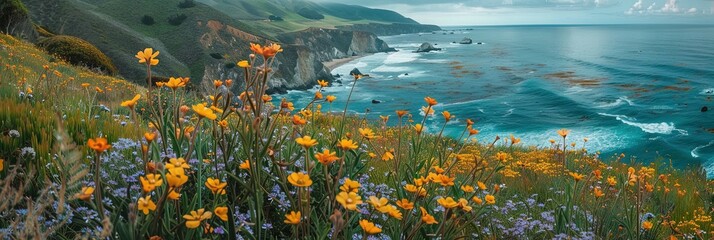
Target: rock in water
705, 108
375, 101
355, 71
466, 41
426, 47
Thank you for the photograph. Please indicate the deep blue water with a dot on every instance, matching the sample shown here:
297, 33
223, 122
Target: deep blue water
634, 89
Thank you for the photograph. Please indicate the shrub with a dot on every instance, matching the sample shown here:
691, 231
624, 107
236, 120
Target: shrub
187, 4
310, 14
11, 11
216, 56
78, 52
229, 65
147, 20
177, 19
43, 31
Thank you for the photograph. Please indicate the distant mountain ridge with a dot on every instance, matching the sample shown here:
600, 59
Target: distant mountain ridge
205, 39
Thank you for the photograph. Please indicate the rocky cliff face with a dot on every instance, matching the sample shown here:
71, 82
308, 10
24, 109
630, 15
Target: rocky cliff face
390, 29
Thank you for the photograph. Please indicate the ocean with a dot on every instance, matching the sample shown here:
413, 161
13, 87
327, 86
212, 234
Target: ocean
633, 89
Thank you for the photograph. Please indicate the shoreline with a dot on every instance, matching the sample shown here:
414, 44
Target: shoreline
335, 63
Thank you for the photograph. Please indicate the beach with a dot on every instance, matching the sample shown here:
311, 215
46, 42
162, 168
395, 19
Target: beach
335, 63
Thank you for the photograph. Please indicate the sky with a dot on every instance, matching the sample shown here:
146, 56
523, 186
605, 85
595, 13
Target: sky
518, 12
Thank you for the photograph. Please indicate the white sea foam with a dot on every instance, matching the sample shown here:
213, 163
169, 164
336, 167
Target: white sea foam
659, 128
708, 91
695, 151
441, 105
394, 69
577, 90
401, 57
620, 101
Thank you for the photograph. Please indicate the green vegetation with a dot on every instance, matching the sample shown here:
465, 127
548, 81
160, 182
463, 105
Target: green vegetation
78, 52
162, 164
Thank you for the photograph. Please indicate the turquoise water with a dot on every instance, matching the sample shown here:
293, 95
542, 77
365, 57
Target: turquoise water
634, 89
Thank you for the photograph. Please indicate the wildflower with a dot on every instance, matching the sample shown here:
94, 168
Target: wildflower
377, 202
445, 180
611, 181
306, 141
385, 119
2, 164
284, 104
366, 133
647, 225
150, 182
469, 122
401, 113
330, 98
85, 85
447, 115
217, 83
243, 64
467, 188
203, 111
563, 132
245, 165
293, 217
85, 194
148, 56
597, 192
414, 189
418, 128
369, 227
387, 156
472, 131
131, 103
222, 213
98, 144
347, 144
430, 101
145, 204
477, 200
216, 186
481, 185
175, 83
326, 157
392, 211
174, 195
177, 163
266, 51
299, 179
576, 176
515, 140
502, 156
426, 217
297, 120
175, 177
464, 205
350, 186
349, 200
193, 220
490, 199
318, 95
598, 174
322, 83
149, 136
447, 202
223, 123
405, 204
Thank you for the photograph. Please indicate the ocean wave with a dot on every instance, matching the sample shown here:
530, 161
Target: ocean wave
386, 68
509, 112
708, 91
401, 57
617, 103
441, 105
695, 151
577, 90
659, 128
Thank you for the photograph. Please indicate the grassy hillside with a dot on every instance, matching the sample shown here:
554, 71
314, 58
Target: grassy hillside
214, 167
256, 12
